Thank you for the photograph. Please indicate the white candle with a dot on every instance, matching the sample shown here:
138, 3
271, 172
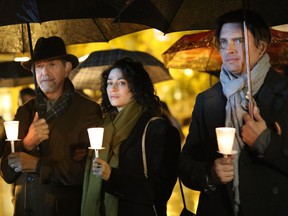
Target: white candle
96, 138
225, 139
11, 129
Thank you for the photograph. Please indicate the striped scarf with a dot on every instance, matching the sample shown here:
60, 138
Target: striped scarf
61, 105
57, 110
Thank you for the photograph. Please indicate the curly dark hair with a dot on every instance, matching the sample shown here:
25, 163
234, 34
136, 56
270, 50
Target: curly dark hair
139, 83
254, 22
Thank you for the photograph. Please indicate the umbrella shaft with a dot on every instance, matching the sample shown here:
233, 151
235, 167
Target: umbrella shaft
249, 83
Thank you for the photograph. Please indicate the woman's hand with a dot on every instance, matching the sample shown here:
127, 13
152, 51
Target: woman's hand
101, 168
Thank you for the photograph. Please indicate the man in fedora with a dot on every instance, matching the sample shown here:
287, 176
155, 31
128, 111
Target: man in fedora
48, 166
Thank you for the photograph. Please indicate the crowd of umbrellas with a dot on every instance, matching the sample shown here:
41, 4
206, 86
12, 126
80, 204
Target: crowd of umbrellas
23, 22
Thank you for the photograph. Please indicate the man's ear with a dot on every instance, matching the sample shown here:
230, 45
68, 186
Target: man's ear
68, 68
262, 47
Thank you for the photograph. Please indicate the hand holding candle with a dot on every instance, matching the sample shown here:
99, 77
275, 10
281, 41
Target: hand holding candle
96, 139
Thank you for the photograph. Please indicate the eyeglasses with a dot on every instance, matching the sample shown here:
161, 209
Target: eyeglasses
237, 42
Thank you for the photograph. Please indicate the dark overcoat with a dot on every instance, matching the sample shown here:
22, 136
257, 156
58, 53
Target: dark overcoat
56, 187
263, 181
136, 193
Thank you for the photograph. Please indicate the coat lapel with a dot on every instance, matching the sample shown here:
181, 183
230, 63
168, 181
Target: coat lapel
271, 98
214, 108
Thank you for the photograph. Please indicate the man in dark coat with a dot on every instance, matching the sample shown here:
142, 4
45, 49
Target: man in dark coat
48, 165
255, 180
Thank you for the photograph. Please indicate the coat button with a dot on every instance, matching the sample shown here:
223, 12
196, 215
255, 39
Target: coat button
275, 190
30, 178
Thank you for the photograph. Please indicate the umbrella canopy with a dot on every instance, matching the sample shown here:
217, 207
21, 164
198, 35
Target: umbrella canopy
61, 19
14, 38
87, 74
183, 15
197, 51
75, 21
278, 49
34, 11
13, 74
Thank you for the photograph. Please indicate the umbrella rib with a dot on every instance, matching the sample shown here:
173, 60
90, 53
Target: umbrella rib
23, 40
172, 18
100, 29
210, 56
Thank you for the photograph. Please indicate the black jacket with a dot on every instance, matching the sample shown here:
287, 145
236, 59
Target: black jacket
136, 193
263, 181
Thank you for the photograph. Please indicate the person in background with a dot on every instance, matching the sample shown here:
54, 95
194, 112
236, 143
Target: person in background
254, 181
115, 183
48, 165
25, 95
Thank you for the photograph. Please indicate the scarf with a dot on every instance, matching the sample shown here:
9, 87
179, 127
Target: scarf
57, 110
95, 201
50, 113
235, 89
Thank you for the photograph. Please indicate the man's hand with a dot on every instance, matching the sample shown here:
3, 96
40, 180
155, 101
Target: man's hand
222, 170
252, 128
22, 162
38, 131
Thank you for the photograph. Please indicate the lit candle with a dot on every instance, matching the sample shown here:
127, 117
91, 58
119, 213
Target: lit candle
11, 129
225, 139
96, 139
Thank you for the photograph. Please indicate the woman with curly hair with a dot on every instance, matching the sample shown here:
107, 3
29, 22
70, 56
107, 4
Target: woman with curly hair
115, 183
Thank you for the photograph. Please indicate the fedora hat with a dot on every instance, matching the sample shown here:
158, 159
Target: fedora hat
49, 49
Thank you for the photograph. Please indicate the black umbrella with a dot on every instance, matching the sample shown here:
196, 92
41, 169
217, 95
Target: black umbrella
182, 15
88, 74
35, 11
75, 21
13, 74
14, 38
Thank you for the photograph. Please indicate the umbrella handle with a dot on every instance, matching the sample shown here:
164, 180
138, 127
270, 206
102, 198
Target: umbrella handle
249, 83
40, 104
251, 107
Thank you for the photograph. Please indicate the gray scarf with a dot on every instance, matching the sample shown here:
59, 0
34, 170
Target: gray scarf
235, 89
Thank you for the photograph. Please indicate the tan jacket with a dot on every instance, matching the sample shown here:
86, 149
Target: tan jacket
56, 188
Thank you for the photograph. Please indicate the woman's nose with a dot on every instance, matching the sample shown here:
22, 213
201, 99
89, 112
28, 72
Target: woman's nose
114, 87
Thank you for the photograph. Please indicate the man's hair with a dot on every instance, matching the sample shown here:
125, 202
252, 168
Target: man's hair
254, 22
